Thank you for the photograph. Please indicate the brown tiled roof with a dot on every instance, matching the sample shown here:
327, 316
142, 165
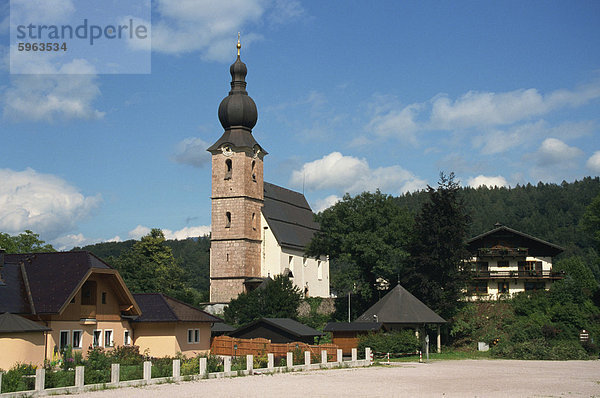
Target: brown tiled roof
535, 246
54, 276
288, 325
352, 327
13, 296
289, 216
157, 307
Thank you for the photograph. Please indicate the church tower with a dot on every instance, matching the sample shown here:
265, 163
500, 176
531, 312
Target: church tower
237, 193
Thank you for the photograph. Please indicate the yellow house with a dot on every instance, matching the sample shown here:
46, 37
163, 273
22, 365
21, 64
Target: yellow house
168, 326
78, 300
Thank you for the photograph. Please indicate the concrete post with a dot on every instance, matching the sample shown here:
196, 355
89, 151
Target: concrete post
307, 359
203, 366
1, 373
354, 355
79, 376
176, 369
323, 356
250, 364
439, 339
147, 370
227, 364
289, 360
340, 356
368, 355
40, 379
114, 373
270, 361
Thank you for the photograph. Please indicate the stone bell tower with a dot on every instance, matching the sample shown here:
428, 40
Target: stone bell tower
237, 193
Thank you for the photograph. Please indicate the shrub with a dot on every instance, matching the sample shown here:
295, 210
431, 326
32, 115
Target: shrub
13, 380
261, 361
401, 342
126, 355
213, 363
131, 372
190, 366
97, 359
162, 367
61, 378
567, 350
238, 363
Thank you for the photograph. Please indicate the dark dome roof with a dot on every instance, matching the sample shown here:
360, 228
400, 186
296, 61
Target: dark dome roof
238, 109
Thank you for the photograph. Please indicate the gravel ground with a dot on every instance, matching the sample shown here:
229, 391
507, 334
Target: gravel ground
466, 378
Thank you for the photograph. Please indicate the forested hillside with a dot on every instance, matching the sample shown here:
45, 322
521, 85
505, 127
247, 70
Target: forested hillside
549, 211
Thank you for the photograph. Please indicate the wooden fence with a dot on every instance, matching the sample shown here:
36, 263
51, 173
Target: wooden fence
225, 345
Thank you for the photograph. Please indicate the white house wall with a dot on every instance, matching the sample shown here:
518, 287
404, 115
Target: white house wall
305, 270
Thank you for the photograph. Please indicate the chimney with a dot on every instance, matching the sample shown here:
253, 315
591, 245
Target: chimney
2, 251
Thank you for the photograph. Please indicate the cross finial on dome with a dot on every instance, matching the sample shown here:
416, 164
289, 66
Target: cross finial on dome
239, 44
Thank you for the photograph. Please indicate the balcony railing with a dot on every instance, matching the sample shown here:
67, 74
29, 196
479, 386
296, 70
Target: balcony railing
502, 252
522, 274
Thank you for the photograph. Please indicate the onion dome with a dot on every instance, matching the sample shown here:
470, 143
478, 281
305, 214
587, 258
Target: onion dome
238, 110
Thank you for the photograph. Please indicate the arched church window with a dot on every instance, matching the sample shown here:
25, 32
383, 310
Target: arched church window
228, 169
254, 221
253, 172
227, 220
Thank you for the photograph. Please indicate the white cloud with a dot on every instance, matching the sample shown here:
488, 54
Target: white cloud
67, 242
51, 96
593, 163
322, 204
207, 26
184, 233
138, 232
489, 181
51, 12
43, 203
554, 151
192, 151
115, 239
349, 174
396, 122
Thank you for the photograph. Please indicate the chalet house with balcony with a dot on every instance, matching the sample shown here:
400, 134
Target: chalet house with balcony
77, 300
506, 261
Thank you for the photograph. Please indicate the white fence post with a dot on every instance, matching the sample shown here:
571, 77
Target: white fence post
79, 376
270, 361
340, 356
354, 355
203, 366
290, 360
115, 369
323, 356
307, 359
368, 355
1, 373
250, 363
227, 364
40, 379
176, 369
147, 370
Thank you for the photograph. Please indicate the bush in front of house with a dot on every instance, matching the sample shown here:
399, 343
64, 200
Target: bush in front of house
14, 379
395, 342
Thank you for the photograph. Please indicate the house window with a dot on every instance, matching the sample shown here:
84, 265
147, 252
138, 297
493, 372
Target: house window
502, 263
126, 338
193, 336
64, 339
88, 293
108, 338
319, 270
228, 169
478, 288
503, 287
97, 341
533, 286
103, 297
227, 220
77, 334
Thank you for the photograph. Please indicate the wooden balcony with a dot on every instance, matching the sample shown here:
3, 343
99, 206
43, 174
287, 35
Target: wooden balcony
502, 252
521, 274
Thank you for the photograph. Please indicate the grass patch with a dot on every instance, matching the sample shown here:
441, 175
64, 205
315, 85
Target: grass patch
445, 355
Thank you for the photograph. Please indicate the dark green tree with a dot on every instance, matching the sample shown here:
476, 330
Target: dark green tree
366, 237
149, 266
26, 242
437, 275
278, 299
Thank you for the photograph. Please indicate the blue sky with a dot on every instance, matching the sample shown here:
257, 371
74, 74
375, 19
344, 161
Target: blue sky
351, 95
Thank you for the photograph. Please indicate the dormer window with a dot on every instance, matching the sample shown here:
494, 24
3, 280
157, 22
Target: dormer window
228, 169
